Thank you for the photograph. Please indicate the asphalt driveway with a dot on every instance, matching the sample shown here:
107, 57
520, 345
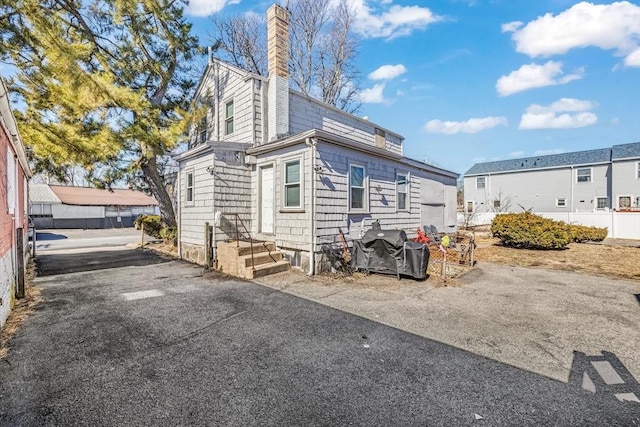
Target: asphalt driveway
158, 342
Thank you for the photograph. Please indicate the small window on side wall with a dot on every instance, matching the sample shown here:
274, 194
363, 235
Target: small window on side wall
583, 175
601, 203
624, 202
480, 182
402, 187
292, 197
638, 170
228, 114
469, 207
357, 184
561, 203
189, 187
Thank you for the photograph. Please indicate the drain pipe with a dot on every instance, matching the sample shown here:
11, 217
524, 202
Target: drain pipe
311, 143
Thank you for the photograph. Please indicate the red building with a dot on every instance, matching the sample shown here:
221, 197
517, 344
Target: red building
14, 173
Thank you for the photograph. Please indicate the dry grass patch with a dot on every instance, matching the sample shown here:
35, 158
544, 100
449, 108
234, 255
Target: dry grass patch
617, 261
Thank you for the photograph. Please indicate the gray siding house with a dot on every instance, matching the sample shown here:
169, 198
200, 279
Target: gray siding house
603, 181
292, 170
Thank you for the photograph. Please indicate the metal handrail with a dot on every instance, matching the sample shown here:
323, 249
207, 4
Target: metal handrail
237, 217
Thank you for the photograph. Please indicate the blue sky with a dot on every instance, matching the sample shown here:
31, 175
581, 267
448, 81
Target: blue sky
466, 81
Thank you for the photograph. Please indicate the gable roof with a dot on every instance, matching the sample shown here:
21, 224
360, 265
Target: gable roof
87, 196
625, 151
589, 157
42, 193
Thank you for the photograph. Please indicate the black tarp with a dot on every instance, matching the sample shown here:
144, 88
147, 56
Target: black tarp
388, 251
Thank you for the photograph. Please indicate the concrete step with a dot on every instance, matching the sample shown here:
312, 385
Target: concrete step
266, 269
258, 247
261, 258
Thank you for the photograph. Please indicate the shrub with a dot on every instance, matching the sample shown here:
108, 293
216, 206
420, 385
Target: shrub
528, 230
169, 234
152, 225
581, 233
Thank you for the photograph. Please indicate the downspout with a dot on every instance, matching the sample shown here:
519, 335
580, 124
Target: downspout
253, 111
216, 67
571, 206
311, 143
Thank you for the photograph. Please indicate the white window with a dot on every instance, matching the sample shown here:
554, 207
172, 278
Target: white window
228, 118
189, 187
583, 175
292, 187
469, 206
638, 170
357, 188
480, 182
561, 203
624, 202
601, 203
202, 128
402, 190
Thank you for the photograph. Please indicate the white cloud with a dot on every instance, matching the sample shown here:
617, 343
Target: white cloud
607, 26
548, 152
473, 125
566, 113
388, 72
633, 59
516, 154
531, 76
373, 95
207, 7
390, 21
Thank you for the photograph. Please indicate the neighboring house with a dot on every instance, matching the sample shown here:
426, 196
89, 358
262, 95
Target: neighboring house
596, 187
58, 206
14, 173
294, 170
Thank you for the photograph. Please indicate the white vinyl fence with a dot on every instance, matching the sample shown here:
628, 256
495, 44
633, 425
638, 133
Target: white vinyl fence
621, 225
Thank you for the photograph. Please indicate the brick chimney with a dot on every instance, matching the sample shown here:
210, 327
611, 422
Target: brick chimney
278, 61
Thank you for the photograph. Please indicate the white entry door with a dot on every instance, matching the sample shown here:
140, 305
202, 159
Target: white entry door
266, 199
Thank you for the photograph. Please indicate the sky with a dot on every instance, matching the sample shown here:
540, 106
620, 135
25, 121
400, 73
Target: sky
467, 81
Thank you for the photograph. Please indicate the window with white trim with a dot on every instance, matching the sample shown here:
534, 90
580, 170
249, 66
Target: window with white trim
481, 181
638, 170
601, 203
469, 206
203, 128
228, 118
583, 175
189, 187
292, 184
561, 203
357, 188
402, 190
38, 210
624, 202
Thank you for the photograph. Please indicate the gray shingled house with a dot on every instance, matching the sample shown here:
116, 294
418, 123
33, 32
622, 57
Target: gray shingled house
595, 187
272, 163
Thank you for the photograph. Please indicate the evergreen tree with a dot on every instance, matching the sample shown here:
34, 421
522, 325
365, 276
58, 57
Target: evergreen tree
103, 83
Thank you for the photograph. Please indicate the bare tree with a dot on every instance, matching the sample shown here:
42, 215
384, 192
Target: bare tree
243, 40
501, 203
323, 49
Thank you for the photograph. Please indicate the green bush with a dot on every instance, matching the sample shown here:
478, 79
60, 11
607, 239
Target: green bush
581, 233
169, 234
528, 230
152, 225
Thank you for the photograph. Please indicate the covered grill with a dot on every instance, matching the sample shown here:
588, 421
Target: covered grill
389, 252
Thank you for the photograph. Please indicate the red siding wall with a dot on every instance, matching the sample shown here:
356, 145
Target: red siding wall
6, 222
